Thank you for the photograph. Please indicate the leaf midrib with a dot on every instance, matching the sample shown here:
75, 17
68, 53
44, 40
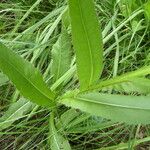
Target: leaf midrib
88, 42
109, 104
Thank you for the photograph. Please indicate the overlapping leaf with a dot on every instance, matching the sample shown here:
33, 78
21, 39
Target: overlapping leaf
131, 77
129, 109
26, 78
61, 55
137, 85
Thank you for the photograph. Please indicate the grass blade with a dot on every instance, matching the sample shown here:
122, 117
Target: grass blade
16, 111
87, 41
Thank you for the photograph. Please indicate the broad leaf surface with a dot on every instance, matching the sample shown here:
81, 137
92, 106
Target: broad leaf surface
26, 78
87, 41
129, 109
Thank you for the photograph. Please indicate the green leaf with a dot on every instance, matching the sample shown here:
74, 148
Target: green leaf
87, 41
127, 77
3, 79
66, 19
67, 117
61, 55
57, 141
129, 109
16, 111
26, 78
139, 85
147, 10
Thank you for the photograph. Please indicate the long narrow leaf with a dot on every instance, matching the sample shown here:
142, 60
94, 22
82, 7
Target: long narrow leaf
138, 85
61, 55
57, 140
130, 109
128, 77
26, 78
87, 41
